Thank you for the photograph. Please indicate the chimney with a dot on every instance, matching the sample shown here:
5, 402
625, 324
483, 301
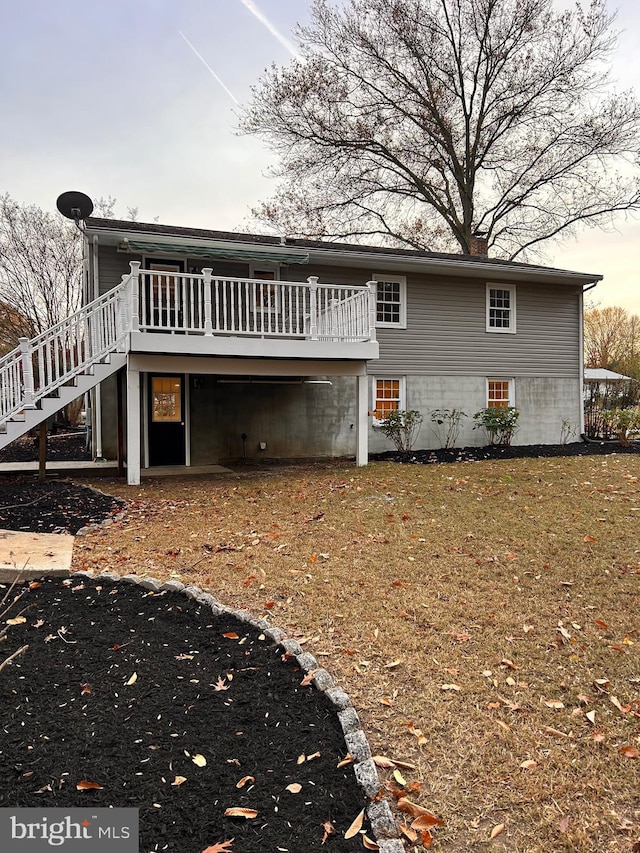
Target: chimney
479, 245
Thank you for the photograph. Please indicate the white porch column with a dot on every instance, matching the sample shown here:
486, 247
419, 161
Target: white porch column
207, 272
133, 427
362, 416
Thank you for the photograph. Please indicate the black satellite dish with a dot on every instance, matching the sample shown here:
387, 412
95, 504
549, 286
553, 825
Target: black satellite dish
74, 205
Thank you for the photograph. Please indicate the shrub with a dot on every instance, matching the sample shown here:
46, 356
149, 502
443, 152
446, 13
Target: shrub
447, 426
621, 421
402, 427
500, 424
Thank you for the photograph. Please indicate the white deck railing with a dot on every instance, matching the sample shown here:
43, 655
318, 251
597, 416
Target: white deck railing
194, 304
204, 305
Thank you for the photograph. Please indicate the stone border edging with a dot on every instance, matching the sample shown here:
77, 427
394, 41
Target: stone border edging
106, 522
379, 813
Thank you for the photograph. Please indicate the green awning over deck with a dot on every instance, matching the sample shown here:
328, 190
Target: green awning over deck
229, 254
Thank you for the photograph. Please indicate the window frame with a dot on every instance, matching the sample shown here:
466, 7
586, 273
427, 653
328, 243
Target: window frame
511, 402
402, 393
402, 303
501, 330
257, 271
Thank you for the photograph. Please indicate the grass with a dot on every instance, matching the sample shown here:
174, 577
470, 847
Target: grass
476, 603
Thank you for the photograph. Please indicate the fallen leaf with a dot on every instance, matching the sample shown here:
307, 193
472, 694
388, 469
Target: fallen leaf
588, 538
236, 811
244, 781
392, 664
554, 703
563, 826
615, 702
598, 737
418, 811
369, 844
529, 764
294, 788
426, 821
386, 700
508, 663
328, 830
356, 826
554, 732
426, 839
220, 847
497, 830
397, 775
231, 635
601, 624
199, 760
306, 681
348, 759
179, 780
409, 833
85, 688
449, 687
88, 786
629, 751
591, 716
220, 685
384, 762
17, 620
133, 679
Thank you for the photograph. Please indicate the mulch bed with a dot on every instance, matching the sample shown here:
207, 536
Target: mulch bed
528, 451
61, 447
55, 506
174, 711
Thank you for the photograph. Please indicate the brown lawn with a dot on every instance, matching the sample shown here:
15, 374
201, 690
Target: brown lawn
483, 617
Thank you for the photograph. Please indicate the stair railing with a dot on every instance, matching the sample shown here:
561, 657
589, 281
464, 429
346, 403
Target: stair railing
39, 366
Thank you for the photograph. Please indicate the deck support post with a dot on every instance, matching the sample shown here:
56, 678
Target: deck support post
133, 427
362, 416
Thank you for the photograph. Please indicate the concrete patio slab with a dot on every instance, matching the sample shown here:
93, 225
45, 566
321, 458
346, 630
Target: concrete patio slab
31, 555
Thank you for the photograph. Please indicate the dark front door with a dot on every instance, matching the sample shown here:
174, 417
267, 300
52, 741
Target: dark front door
166, 420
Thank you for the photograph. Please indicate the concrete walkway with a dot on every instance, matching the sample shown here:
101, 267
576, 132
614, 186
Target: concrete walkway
107, 469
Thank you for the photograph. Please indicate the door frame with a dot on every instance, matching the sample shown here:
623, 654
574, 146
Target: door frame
147, 390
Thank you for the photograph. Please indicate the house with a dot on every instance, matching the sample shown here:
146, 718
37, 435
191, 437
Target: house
201, 347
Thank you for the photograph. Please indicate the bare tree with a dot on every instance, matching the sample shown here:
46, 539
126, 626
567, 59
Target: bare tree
40, 268
612, 340
424, 122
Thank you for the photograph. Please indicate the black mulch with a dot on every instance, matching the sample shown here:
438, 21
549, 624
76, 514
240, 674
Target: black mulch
529, 451
55, 506
61, 447
174, 711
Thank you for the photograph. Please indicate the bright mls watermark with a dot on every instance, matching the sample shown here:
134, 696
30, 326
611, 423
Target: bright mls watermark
37, 830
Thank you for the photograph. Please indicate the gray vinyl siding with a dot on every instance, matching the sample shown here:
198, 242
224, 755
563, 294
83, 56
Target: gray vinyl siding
446, 322
112, 265
446, 333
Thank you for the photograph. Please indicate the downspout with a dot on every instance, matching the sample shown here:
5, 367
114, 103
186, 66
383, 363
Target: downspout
581, 355
97, 394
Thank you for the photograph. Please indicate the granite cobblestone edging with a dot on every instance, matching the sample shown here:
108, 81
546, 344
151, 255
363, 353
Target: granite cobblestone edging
379, 812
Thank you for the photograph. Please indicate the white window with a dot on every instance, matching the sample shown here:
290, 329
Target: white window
388, 396
501, 308
500, 393
391, 300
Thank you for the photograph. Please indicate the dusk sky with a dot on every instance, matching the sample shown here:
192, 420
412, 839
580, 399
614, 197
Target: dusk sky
138, 99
